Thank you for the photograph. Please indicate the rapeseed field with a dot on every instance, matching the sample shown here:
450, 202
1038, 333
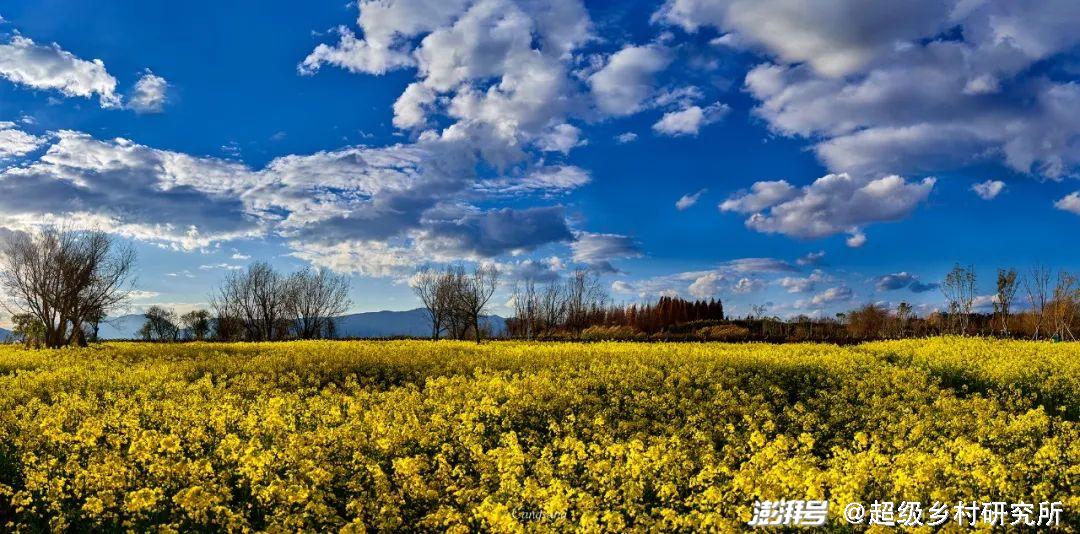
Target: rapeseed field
516, 436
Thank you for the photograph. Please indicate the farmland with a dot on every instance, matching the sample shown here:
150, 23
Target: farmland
512, 436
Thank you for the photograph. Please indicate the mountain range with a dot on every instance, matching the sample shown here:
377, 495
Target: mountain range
4, 334
411, 323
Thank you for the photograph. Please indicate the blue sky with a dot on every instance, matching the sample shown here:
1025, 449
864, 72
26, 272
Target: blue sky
828, 156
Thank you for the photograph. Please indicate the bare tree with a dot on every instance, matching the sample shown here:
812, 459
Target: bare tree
1063, 306
526, 308
474, 293
1037, 287
315, 298
434, 290
197, 324
584, 295
959, 291
161, 325
63, 278
1006, 291
255, 298
553, 305
903, 314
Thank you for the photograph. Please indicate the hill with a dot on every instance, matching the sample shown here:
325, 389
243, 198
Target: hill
411, 323
4, 335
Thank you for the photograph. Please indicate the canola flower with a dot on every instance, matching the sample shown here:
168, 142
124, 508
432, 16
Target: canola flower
524, 437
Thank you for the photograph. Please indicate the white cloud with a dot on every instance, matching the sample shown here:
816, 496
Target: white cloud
856, 239
623, 85
1070, 203
688, 121
833, 204
688, 200
15, 142
593, 247
804, 284
832, 295
548, 180
762, 195
747, 285
989, 189
626, 137
150, 94
707, 285
25, 62
811, 258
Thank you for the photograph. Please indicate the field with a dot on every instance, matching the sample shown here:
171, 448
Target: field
508, 436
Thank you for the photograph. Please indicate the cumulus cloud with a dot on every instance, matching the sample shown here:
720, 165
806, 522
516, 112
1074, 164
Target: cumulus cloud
833, 204
747, 285
547, 180
388, 206
626, 137
689, 120
15, 142
624, 84
832, 295
150, 94
927, 104
989, 189
803, 284
49, 67
1069, 203
688, 200
836, 38
498, 69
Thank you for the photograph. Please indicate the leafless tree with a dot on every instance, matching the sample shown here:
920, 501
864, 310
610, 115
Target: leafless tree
474, 293
553, 305
584, 294
526, 308
257, 299
63, 278
197, 324
314, 299
1037, 287
1006, 291
435, 291
161, 325
959, 291
904, 312
1063, 306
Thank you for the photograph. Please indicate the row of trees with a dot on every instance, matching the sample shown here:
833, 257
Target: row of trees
262, 304
1052, 303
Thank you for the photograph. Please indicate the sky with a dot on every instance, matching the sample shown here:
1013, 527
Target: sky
806, 157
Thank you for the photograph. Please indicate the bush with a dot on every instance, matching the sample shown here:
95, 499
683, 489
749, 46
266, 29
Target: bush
612, 333
724, 332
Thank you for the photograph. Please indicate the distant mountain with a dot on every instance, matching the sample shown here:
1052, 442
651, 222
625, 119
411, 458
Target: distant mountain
4, 335
412, 323
123, 327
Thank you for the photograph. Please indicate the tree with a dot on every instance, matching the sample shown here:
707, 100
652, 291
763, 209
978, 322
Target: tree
64, 278
256, 300
867, 322
959, 291
29, 329
1062, 308
473, 294
315, 298
160, 325
434, 290
197, 324
903, 314
526, 301
1036, 286
584, 295
1006, 290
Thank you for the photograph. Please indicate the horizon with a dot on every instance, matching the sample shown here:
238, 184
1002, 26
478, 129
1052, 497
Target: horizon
808, 162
